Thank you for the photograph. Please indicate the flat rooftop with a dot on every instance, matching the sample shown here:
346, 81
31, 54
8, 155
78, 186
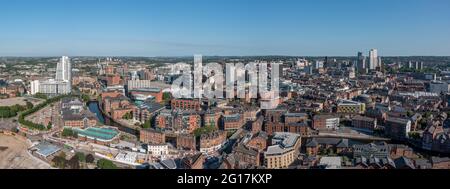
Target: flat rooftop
46, 149
102, 134
283, 142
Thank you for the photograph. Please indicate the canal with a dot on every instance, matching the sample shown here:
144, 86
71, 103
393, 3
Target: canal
94, 108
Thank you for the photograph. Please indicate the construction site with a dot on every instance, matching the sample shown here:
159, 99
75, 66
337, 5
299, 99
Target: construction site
14, 153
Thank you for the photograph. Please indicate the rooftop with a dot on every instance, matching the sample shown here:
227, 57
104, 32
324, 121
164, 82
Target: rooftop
282, 143
331, 162
397, 120
102, 134
46, 149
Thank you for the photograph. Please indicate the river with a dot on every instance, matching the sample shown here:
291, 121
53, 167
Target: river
94, 108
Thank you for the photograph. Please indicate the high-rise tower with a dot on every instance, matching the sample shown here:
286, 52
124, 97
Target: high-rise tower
373, 59
361, 63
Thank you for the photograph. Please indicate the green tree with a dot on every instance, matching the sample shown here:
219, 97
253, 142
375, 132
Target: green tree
60, 161
106, 164
85, 98
49, 126
90, 158
147, 124
423, 123
414, 135
74, 163
409, 113
41, 96
81, 156
204, 130
167, 96
128, 116
29, 105
11, 111
69, 133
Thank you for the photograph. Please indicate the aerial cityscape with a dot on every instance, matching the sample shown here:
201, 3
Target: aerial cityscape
96, 105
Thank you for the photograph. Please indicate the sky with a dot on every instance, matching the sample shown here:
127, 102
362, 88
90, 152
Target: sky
224, 27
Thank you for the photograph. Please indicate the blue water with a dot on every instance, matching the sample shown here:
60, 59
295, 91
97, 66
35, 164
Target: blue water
93, 107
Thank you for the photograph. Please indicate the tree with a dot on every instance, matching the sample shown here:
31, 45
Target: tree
60, 161
90, 158
81, 156
414, 135
409, 113
106, 164
63, 155
330, 151
29, 105
11, 111
204, 130
49, 126
147, 124
41, 96
69, 133
127, 116
423, 123
18, 94
74, 163
85, 98
166, 96
322, 151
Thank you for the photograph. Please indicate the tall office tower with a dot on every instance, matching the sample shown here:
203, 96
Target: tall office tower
361, 63
319, 64
64, 70
421, 66
380, 64
62, 84
410, 64
373, 59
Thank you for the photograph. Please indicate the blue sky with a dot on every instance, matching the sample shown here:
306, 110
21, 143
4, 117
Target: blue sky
223, 27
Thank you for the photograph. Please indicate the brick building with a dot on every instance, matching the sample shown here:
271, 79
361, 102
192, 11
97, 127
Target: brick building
258, 141
211, 142
193, 162
113, 80
397, 128
364, 123
156, 93
211, 118
187, 142
233, 121
323, 121
246, 156
186, 104
152, 136
257, 125
186, 121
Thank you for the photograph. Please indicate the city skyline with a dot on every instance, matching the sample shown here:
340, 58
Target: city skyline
224, 28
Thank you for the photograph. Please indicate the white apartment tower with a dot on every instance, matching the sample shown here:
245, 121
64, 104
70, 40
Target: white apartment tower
373, 59
62, 84
63, 70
